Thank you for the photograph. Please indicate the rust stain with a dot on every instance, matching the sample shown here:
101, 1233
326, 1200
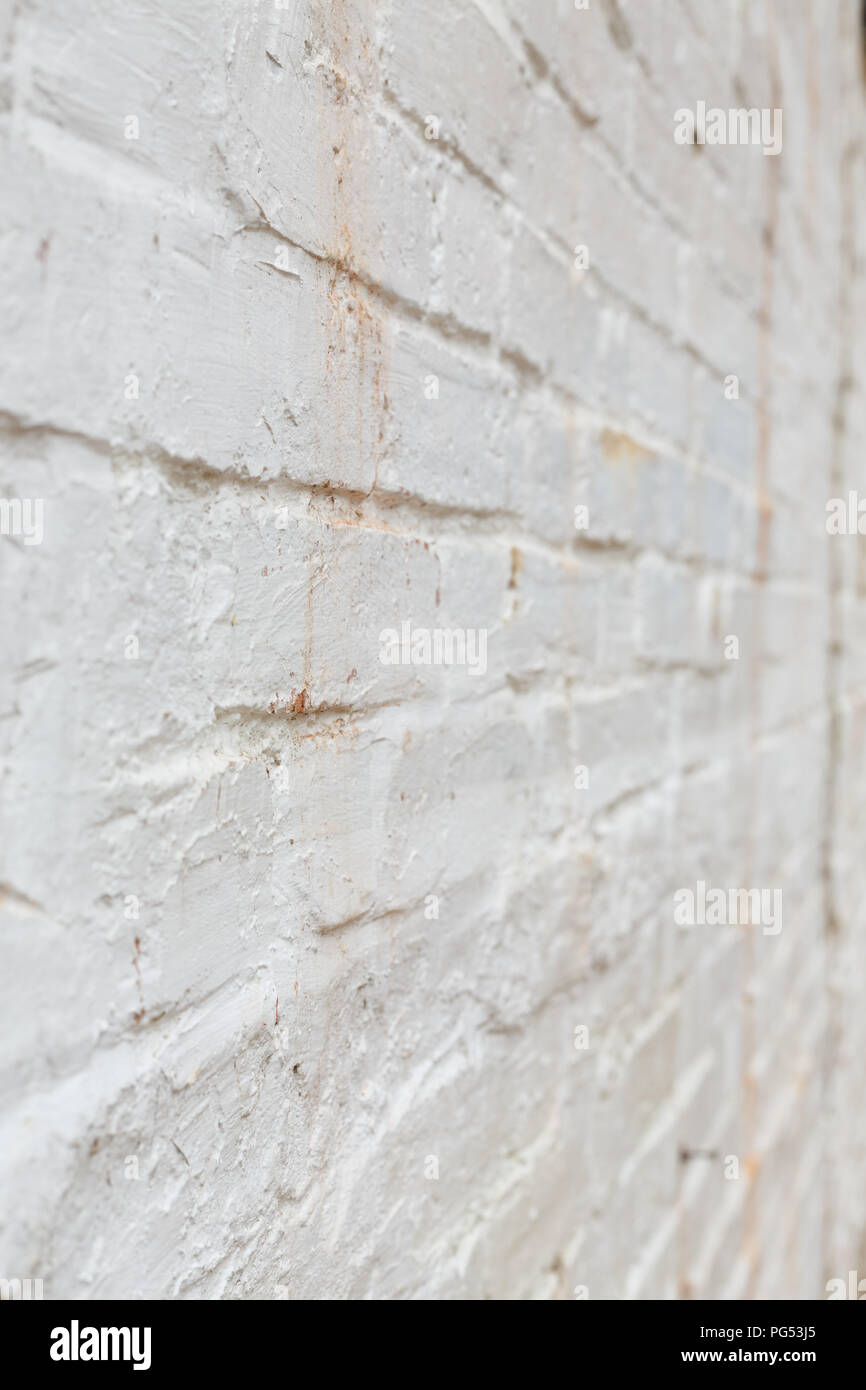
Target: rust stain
355, 360
516, 566
752, 1166
621, 448
297, 703
350, 438
355, 365
139, 1014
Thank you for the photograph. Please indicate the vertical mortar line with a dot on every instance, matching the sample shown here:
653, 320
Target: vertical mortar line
847, 269
769, 230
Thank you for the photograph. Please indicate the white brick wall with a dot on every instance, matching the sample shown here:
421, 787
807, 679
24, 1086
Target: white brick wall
234, 1036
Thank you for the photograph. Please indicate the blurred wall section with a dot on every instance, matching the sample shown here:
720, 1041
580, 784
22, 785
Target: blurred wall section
333, 965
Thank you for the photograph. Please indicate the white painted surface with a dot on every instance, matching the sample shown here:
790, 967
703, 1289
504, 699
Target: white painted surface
283, 1039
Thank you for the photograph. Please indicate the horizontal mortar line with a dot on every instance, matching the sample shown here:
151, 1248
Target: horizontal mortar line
394, 501
610, 809
651, 1024
370, 915
186, 472
278, 725
611, 155
15, 426
742, 749
448, 324
417, 514
415, 123
553, 243
445, 323
418, 519
784, 1107
323, 714
558, 247
136, 1035
174, 1011
743, 578
389, 97
193, 472
163, 186
190, 472
662, 1125
585, 123
259, 719
543, 72
211, 763
450, 328
738, 94
576, 983
20, 904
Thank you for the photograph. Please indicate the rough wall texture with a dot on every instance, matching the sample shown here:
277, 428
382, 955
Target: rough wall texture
241, 1054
